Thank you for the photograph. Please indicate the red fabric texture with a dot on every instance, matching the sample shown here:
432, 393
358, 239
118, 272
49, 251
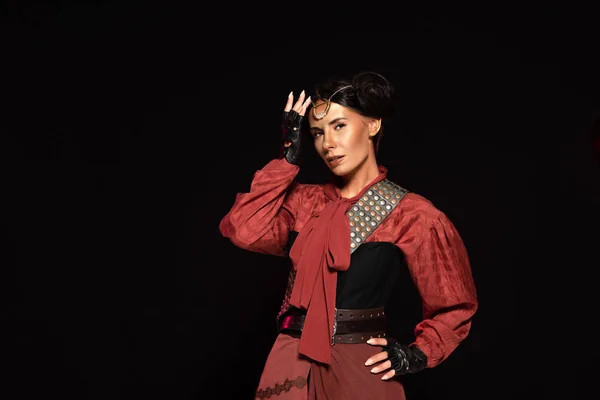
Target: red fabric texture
261, 219
286, 372
345, 378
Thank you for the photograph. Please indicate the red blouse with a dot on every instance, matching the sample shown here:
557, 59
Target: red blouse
277, 204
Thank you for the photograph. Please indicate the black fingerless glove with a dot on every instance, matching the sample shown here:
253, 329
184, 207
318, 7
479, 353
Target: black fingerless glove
405, 359
291, 135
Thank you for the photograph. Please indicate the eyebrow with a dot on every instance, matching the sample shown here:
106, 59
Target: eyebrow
332, 122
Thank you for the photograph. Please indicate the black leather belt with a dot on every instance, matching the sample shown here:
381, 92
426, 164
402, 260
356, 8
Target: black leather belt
350, 326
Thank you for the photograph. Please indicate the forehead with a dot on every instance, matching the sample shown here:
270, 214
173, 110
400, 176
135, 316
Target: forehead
335, 111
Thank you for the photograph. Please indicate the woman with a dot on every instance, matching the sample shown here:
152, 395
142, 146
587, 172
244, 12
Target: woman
347, 241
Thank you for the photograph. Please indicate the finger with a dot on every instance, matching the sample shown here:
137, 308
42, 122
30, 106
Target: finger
290, 101
390, 374
304, 106
377, 341
376, 358
382, 367
299, 102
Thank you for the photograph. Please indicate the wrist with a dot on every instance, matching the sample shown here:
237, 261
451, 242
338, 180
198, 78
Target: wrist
417, 360
405, 359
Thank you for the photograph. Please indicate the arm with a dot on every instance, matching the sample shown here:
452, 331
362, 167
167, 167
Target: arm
439, 265
261, 219
442, 273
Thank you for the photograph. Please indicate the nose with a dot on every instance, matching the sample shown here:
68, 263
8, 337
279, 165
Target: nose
328, 141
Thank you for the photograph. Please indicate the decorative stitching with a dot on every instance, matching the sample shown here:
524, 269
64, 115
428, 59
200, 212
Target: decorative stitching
286, 386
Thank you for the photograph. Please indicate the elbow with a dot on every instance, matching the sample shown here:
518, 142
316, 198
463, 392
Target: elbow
457, 317
466, 310
464, 318
238, 235
470, 307
231, 232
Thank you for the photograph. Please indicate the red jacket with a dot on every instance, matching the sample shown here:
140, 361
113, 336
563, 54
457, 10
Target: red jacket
262, 219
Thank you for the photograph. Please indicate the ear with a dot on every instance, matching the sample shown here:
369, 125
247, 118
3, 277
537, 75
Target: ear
374, 126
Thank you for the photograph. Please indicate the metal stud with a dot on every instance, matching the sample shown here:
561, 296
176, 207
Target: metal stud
371, 208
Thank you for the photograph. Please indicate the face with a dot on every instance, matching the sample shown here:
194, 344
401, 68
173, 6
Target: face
343, 138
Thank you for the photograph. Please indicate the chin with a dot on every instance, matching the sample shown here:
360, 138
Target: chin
339, 171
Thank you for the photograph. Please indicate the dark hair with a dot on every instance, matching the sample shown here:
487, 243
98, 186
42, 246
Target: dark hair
370, 95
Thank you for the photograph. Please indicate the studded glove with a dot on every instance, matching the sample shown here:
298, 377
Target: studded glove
290, 146
405, 359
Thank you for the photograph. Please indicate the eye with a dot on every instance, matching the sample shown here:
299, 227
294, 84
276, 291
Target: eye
339, 126
316, 133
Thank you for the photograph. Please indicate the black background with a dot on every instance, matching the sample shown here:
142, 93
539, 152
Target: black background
128, 127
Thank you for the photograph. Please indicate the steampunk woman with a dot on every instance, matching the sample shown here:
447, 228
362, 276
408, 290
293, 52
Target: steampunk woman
347, 241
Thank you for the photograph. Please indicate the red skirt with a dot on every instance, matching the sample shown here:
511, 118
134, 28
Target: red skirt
288, 375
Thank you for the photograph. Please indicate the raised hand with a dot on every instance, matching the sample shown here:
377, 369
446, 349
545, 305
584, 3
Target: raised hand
290, 126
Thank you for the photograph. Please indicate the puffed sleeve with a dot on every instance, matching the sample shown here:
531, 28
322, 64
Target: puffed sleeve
260, 220
442, 273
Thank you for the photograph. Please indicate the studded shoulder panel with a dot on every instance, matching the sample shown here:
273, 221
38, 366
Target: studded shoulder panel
364, 217
368, 212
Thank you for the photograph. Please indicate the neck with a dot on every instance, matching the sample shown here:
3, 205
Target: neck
353, 183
